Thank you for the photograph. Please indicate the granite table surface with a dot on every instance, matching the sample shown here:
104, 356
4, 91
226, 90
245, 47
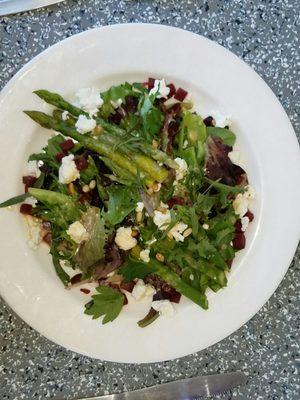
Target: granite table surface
265, 34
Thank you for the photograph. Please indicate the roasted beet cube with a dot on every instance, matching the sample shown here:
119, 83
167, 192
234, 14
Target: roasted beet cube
115, 118
26, 209
238, 226
131, 104
127, 286
151, 82
172, 90
175, 109
67, 145
85, 291
29, 180
60, 156
180, 94
48, 238
229, 263
75, 279
209, 121
239, 241
176, 200
250, 215
81, 163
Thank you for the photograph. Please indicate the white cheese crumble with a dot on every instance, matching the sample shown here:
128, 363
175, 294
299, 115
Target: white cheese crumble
139, 206
144, 255
220, 119
185, 144
89, 99
33, 168
242, 200
177, 230
164, 307
116, 104
64, 115
77, 232
235, 157
124, 239
182, 168
85, 124
205, 226
31, 200
162, 218
160, 89
140, 290
68, 171
34, 231
245, 222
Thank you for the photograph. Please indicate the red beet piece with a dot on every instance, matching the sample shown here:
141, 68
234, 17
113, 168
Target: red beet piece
85, 291
28, 181
26, 209
229, 263
238, 226
81, 163
180, 94
47, 238
250, 215
175, 110
75, 279
239, 241
176, 200
127, 286
60, 156
67, 145
208, 121
172, 90
151, 82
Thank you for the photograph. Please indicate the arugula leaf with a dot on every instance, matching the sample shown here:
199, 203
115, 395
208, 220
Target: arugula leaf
224, 190
225, 134
108, 302
122, 201
92, 250
63, 276
151, 115
113, 94
133, 269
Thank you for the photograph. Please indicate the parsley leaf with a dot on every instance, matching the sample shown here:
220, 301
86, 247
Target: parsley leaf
107, 303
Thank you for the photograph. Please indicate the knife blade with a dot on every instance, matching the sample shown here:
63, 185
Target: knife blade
186, 389
14, 6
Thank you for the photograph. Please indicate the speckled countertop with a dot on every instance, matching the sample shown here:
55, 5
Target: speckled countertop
266, 35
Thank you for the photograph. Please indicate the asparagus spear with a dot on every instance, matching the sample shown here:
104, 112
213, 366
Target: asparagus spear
59, 102
177, 283
145, 164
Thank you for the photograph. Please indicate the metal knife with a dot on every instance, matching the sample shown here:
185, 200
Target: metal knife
186, 389
15, 6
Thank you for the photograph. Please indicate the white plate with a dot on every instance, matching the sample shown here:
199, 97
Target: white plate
216, 79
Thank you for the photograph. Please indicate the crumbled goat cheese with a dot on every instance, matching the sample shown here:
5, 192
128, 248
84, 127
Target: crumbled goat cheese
242, 200
205, 226
139, 206
140, 290
144, 255
235, 157
64, 115
185, 144
220, 119
31, 200
182, 168
164, 307
78, 232
124, 238
89, 99
116, 104
85, 124
33, 168
245, 222
160, 89
162, 218
177, 231
34, 231
68, 171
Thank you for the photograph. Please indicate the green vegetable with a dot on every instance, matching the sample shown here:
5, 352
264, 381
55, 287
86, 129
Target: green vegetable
194, 128
107, 303
15, 200
133, 269
121, 202
225, 134
151, 115
63, 276
149, 318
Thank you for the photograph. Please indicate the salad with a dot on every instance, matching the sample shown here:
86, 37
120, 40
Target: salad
136, 196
